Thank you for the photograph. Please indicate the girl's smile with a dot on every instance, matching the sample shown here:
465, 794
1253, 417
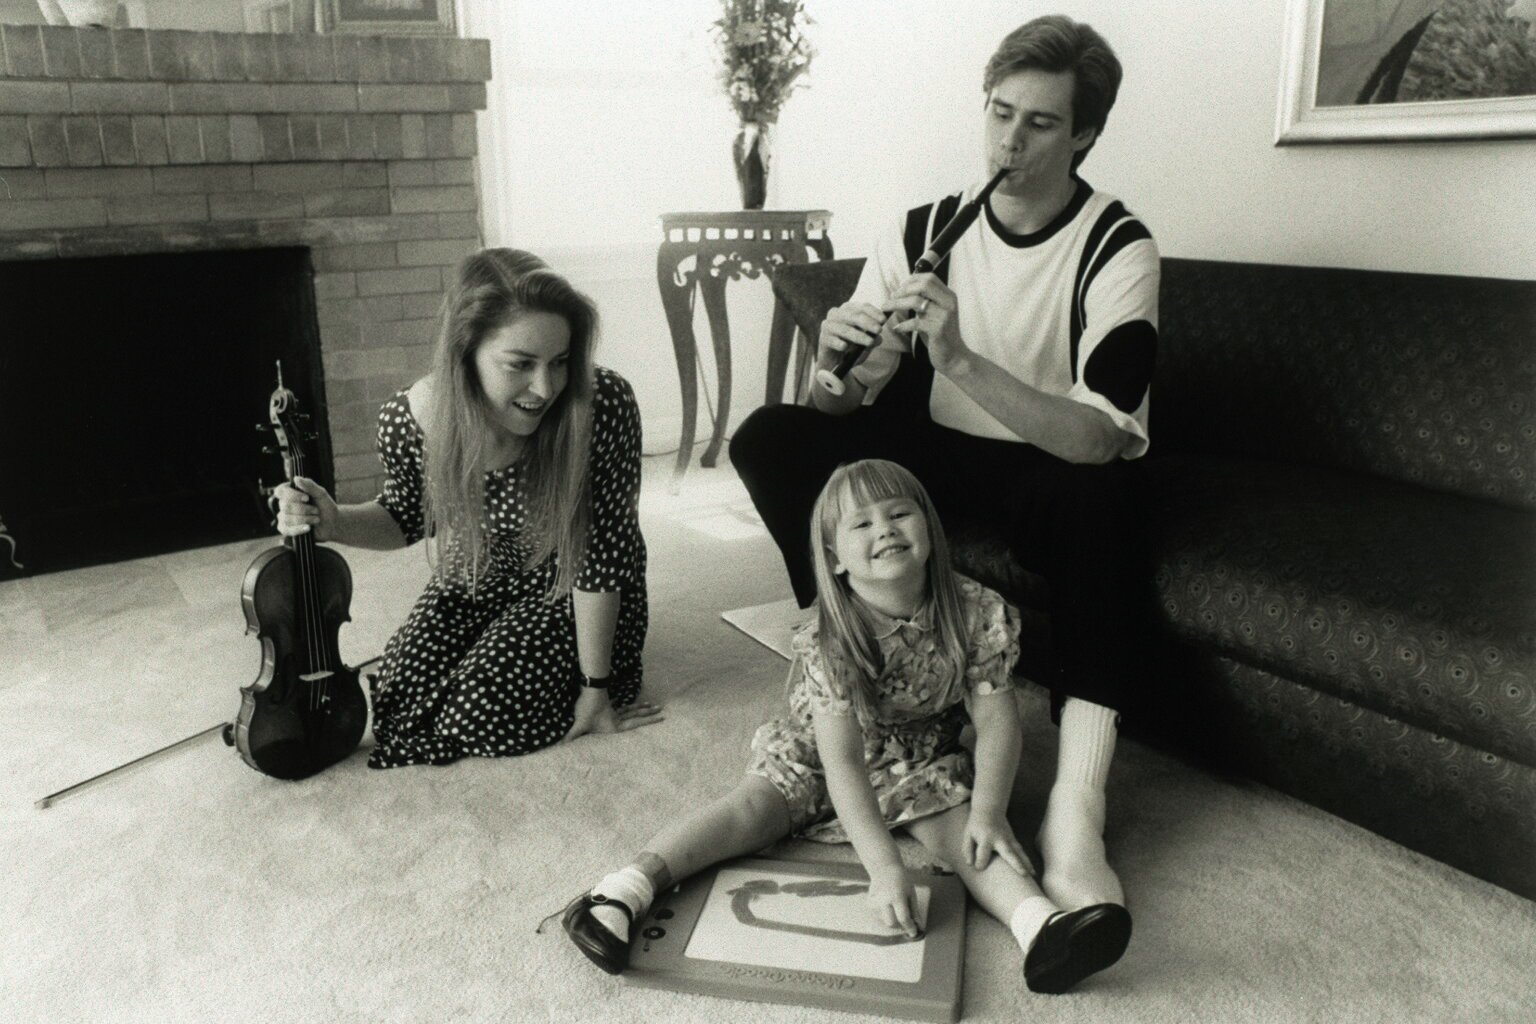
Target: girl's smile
882, 541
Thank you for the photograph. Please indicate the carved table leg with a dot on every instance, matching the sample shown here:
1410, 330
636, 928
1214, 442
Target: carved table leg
677, 300
713, 288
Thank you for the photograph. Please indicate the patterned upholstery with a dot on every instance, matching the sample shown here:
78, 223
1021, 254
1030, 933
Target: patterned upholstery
1452, 801
1415, 377
1366, 589
1344, 465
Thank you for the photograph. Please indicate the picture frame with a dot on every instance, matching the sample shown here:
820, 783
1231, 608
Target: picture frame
390, 17
1344, 62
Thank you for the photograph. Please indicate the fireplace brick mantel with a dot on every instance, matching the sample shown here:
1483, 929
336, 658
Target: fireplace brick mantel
120, 141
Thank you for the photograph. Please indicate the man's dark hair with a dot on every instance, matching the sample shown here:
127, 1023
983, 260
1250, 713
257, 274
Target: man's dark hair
1056, 43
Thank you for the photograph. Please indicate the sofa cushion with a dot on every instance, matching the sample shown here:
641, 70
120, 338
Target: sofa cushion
1417, 604
1453, 801
1423, 378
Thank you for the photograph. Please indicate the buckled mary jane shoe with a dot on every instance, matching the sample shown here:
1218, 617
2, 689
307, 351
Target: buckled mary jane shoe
599, 945
1074, 944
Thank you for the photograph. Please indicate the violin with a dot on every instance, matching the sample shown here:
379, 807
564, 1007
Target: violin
306, 710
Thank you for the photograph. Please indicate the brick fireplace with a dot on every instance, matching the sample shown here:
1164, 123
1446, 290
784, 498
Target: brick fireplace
131, 141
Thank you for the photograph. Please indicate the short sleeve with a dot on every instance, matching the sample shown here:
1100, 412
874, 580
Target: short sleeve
810, 689
399, 443
613, 541
1119, 343
992, 648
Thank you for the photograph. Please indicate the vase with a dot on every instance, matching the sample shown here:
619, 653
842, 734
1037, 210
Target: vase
753, 152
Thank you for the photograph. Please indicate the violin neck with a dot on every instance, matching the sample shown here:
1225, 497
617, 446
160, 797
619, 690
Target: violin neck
304, 543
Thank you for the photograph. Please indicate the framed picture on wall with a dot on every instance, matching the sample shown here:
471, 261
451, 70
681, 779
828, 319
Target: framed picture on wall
388, 17
1367, 70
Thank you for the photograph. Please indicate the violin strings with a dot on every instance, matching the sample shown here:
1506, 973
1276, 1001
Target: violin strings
304, 551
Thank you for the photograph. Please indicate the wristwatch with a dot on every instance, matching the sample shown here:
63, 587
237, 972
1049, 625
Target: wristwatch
599, 683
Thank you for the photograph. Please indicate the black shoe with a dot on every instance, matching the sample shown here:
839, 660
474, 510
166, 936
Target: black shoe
1075, 944
600, 945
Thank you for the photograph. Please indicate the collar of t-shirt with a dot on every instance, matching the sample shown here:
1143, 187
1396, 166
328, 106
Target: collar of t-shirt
1072, 209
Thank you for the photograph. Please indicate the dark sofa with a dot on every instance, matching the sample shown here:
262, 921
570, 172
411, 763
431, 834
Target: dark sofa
1342, 497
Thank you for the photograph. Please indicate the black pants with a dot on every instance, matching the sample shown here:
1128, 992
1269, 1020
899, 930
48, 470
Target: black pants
1079, 526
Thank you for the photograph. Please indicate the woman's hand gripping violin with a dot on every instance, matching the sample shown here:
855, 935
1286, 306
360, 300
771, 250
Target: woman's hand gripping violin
306, 710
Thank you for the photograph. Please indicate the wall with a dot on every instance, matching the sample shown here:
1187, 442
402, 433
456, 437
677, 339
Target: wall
600, 117
892, 118
1189, 145
1199, 162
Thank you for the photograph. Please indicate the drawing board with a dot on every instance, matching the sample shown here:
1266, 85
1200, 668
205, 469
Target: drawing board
799, 932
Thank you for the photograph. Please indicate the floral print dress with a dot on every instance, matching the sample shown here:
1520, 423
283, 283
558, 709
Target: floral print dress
917, 766
495, 673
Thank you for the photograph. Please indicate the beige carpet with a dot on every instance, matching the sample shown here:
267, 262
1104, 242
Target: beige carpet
196, 890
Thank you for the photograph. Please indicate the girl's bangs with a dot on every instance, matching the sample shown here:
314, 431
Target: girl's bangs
870, 481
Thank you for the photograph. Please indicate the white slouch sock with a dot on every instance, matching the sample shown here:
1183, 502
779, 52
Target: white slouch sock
629, 886
1029, 917
1087, 744
1077, 872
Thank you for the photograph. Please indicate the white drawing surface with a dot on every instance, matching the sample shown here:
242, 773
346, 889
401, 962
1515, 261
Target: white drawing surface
803, 923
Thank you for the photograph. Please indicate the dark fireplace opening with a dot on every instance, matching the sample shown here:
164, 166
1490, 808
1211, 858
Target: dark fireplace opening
130, 387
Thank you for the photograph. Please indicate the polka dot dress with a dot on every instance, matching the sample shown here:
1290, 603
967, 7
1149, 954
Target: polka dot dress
496, 675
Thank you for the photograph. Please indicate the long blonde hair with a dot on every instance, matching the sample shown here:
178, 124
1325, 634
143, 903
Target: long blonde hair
493, 287
849, 647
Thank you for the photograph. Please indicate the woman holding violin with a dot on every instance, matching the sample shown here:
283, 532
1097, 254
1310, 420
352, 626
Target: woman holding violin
518, 460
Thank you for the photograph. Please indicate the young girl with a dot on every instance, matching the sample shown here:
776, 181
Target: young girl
902, 652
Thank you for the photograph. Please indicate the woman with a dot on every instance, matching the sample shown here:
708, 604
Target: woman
519, 460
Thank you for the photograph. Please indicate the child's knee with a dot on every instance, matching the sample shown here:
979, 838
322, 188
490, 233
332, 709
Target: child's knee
758, 802
943, 834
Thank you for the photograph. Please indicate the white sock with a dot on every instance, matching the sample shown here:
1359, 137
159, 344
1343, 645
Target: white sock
629, 886
1077, 873
1029, 917
1087, 744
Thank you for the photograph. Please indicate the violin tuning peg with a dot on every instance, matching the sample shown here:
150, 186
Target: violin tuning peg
267, 449
263, 427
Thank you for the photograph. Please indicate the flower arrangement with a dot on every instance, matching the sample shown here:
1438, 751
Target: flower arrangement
762, 51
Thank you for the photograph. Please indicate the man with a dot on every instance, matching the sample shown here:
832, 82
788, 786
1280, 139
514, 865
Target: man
1014, 382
